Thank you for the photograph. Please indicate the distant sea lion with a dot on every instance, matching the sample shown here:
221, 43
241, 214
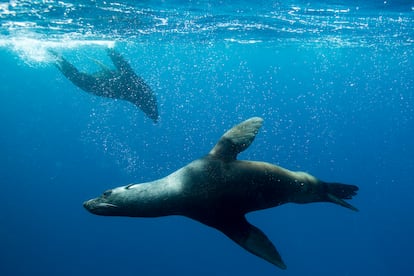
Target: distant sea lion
122, 83
218, 190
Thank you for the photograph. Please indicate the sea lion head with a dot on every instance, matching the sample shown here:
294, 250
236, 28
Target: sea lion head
135, 200
110, 203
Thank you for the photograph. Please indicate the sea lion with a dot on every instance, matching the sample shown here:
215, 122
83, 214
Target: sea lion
218, 190
122, 83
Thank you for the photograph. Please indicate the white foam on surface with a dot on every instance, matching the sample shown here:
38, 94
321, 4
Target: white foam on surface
35, 51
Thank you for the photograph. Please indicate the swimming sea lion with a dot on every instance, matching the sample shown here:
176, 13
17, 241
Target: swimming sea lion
218, 190
122, 83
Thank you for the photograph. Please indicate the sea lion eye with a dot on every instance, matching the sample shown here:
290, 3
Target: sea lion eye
107, 193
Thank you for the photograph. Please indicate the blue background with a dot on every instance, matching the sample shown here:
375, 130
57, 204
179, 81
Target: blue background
342, 113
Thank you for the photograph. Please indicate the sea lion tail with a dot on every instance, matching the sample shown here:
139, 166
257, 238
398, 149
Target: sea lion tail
337, 192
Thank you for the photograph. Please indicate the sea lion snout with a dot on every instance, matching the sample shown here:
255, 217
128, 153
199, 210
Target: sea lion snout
97, 207
87, 205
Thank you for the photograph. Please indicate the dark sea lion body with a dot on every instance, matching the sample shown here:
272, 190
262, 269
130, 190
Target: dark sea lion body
219, 190
121, 84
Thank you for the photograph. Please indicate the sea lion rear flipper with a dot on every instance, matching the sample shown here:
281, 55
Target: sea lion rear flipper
120, 63
104, 68
237, 139
337, 192
250, 238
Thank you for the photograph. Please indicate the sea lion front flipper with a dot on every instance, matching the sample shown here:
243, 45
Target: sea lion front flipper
250, 238
237, 139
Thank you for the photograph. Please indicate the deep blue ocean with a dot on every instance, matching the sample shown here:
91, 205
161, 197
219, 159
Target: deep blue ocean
333, 81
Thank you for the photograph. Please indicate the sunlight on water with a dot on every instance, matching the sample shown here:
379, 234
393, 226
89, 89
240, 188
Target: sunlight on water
280, 22
34, 51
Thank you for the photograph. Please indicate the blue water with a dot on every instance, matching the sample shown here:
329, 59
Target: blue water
334, 82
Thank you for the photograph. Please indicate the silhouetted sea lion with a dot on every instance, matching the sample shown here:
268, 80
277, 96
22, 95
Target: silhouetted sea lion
218, 190
122, 83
